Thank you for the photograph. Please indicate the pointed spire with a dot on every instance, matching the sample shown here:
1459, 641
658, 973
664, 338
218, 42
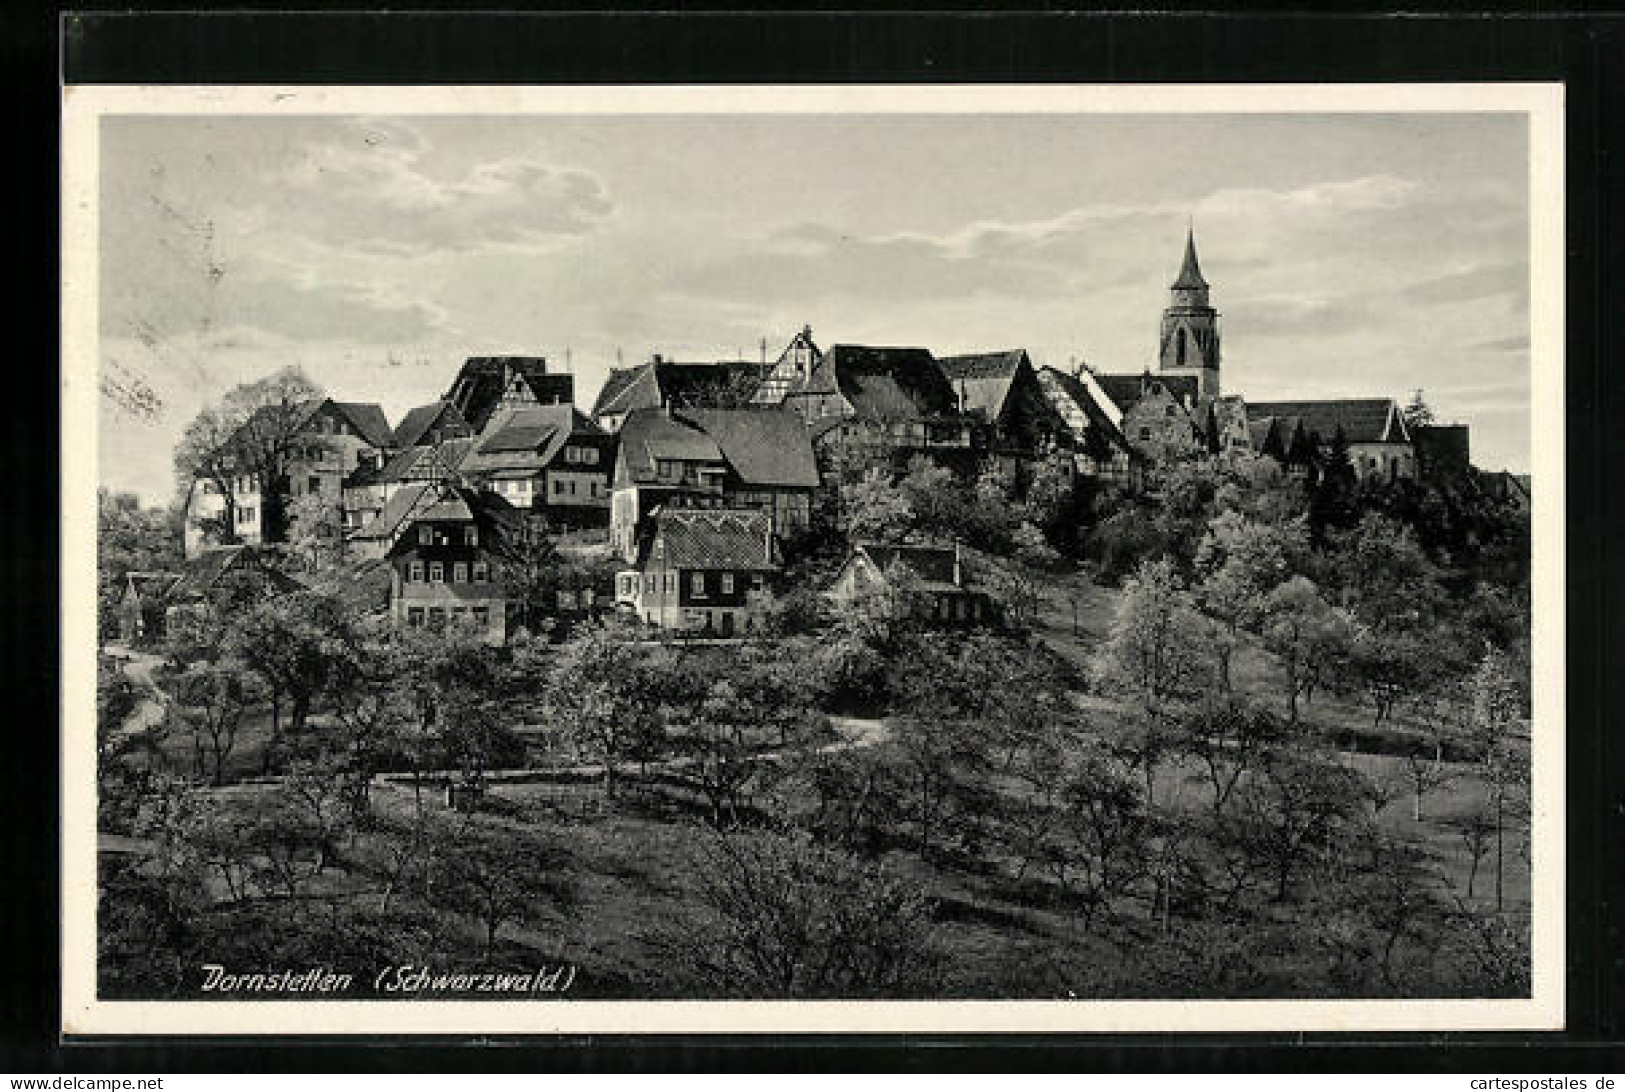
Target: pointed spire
1190, 274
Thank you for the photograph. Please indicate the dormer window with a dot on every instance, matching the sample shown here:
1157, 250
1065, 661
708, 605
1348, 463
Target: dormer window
425, 535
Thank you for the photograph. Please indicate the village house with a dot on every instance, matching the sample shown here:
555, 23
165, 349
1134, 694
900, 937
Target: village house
922, 583
379, 477
486, 384
700, 570
153, 600
1157, 413
1226, 427
1099, 448
792, 367
331, 439
1379, 443
446, 560
548, 459
711, 458
865, 400
670, 384
1002, 394
428, 425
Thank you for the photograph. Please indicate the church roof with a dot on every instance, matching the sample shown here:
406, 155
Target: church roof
1363, 420
1190, 273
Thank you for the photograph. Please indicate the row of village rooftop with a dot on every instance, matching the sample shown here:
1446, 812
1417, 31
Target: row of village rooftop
700, 470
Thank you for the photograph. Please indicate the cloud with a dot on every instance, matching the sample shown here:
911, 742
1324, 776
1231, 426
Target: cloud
1479, 282
376, 187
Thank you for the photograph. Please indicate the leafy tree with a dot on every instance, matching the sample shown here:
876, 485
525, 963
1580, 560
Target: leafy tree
1297, 812
1239, 563
528, 567
608, 692
1148, 650
1308, 636
876, 510
255, 430
210, 700
297, 642
129, 538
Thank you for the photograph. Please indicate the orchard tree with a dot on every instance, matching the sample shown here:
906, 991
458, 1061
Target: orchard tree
785, 917
1309, 637
210, 700
876, 510
1148, 650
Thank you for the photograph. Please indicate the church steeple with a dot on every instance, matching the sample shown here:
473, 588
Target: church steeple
1190, 273
1190, 326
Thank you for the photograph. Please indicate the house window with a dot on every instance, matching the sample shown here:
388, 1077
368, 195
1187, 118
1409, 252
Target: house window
437, 617
1145, 432
482, 616
696, 584
415, 574
649, 582
1171, 410
437, 572
558, 485
315, 484
727, 583
589, 455
572, 454
572, 488
482, 572
414, 616
471, 536
459, 573
671, 582
666, 468
756, 581
425, 535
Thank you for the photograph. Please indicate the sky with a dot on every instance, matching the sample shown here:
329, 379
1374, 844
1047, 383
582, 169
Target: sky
1350, 255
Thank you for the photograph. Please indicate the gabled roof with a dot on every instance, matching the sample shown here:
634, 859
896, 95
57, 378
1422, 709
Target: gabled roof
1363, 420
675, 383
419, 420
526, 438
451, 503
421, 463
1126, 390
651, 434
150, 585
983, 380
882, 383
616, 395
368, 419
765, 447
934, 564
709, 538
200, 574
400, 507
481, 383
1066, 391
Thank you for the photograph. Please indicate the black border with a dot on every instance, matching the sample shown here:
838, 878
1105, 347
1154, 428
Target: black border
1587, 53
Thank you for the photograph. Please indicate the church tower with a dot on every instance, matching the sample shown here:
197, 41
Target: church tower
1190, 328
